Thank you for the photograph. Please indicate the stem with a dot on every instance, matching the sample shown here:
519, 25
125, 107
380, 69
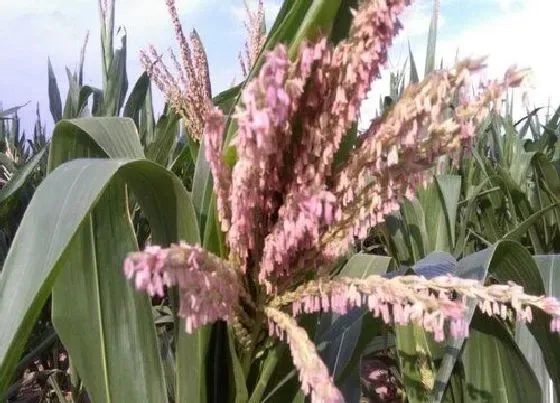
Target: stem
267, 370
492, 190
485, 241
247, 357
54, 384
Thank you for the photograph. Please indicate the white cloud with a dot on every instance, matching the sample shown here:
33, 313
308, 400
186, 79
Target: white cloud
34, 30
416, 20
521, 35
56, 28
271, 8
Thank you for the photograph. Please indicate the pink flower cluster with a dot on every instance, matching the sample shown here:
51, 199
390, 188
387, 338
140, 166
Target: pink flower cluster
396, 152
263, 143
313, 374
339, 84
275, 170
296, 230
427, 302
256, 176
189, 93
210, 289
147, 269
221, 172
400, 300
256, 31
286, 210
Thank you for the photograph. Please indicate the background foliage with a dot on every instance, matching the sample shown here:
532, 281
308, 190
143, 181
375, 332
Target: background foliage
493, 217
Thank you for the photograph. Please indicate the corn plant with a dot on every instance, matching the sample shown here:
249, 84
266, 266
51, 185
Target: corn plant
81, 100
502, 191
22, 167
260, 251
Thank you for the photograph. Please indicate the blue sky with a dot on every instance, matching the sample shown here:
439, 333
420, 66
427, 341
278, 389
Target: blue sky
509, 31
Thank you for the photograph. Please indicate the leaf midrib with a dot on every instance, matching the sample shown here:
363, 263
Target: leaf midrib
99, 316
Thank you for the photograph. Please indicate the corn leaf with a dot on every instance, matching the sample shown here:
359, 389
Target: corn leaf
55, 103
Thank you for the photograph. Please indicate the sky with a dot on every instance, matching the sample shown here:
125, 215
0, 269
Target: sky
508, 31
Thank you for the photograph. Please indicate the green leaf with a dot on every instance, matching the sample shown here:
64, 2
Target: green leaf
96, 102
474, 192
226, 99
241, 394
416, 349
362, 265
72, 99
351, 388
521, 162
168, 360
436, 228
117, 82
503, 257
413, 75
435, 204
346, 146
272, 358
82, 60
61, 207
520, 207
161, 150
395, 232
146, 124
417, 235
522, 228
343, 21
342, 348
202, 187
191, 355
547, 173
171, 218
107, 17
492, 368
92, 293
548, 269
183, 158
416, 363
450, 190
370, 328
474, 266
85, 93
519, 267
117, 138
213, 237
10, 111
137, 98
346, 351
552, 124
55, 103
318, 20
114, 333
418, 353
432, 39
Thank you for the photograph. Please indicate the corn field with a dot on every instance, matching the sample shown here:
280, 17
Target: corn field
255, 246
